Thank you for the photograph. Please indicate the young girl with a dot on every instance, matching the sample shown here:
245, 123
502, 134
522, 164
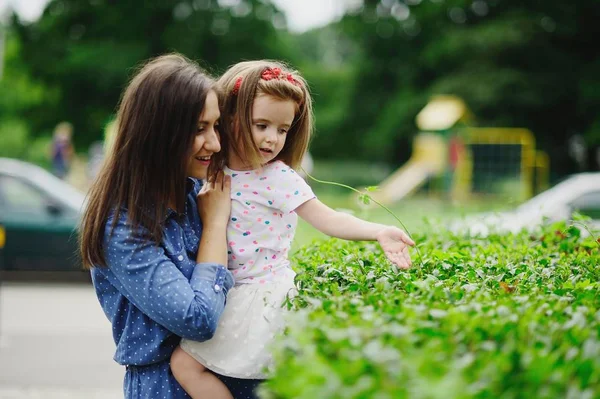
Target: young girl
267, 126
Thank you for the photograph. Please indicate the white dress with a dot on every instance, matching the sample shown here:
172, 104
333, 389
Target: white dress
259, 236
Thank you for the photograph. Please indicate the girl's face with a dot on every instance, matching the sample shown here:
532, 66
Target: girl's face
206, 142
271, 121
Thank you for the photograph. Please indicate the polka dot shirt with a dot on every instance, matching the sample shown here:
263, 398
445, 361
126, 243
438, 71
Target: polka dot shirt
155, 294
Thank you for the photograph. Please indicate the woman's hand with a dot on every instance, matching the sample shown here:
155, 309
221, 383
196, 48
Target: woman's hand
214, 201
395, 243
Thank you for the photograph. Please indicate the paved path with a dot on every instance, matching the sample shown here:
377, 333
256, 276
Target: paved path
55, 342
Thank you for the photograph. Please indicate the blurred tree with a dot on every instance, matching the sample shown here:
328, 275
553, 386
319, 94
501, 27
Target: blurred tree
21, 96
328, 61
516, 63
85, 50
520, 63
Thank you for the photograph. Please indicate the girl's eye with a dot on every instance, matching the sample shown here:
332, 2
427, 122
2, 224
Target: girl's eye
261, 126
200, 129
282, 131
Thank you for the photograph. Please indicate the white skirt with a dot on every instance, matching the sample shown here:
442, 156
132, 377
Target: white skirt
252, 317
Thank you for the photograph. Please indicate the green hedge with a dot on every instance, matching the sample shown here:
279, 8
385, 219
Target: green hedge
513, 316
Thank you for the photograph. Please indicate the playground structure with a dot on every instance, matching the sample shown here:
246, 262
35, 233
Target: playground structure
451, 156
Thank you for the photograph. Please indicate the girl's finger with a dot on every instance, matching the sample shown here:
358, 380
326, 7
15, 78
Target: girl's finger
406, 256
407, 240
402, 262
396, 260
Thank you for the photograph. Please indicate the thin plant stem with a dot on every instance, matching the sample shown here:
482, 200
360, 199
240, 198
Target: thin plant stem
367, 196
585, 226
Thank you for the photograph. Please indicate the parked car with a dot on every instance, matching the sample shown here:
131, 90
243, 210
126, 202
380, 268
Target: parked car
39, 214
579, 193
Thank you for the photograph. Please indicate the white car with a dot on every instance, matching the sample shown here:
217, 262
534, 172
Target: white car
578, 193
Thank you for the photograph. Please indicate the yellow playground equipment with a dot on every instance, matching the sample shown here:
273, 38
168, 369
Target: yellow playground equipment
463, 160
428, 160
500, 160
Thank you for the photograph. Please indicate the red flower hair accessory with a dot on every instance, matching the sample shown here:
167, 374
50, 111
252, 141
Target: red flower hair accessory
275, 73
271, 73
236, 86
290, 78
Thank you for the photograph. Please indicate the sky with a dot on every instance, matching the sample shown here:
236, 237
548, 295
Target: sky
301, 15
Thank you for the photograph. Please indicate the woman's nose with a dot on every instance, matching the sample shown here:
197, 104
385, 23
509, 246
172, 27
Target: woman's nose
213, 142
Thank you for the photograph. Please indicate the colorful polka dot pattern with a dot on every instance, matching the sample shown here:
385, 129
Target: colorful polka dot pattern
262, 224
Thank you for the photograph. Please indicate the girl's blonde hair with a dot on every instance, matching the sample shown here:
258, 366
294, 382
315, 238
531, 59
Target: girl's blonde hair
240, 85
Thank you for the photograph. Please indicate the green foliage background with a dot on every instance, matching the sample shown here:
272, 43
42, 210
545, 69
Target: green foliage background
516, 63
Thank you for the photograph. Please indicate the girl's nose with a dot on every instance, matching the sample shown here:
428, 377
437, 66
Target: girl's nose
271, 135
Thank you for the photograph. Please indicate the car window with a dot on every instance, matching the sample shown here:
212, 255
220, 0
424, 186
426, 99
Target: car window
588, 205
17, 196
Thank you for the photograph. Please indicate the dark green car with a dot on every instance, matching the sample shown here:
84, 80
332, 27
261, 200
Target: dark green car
39, 214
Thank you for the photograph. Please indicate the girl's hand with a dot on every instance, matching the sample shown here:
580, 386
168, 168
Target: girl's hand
395, 243
214, 201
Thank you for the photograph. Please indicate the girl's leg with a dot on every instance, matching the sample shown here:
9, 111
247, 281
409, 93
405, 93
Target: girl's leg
197, 381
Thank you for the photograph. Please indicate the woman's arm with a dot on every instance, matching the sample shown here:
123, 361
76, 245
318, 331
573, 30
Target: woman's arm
145, 275
148, 278
393, 241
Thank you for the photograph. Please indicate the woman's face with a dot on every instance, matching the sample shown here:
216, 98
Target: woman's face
206, 142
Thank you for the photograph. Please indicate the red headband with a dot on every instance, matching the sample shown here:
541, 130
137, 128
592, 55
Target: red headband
236, 86
275, 73
268, 74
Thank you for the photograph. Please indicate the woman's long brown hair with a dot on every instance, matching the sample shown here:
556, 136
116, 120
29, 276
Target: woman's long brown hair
145, 169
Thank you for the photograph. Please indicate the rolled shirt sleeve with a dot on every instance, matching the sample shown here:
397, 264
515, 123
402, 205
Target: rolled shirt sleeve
151, 281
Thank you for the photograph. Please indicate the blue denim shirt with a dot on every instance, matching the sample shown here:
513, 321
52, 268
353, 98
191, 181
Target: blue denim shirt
155, 294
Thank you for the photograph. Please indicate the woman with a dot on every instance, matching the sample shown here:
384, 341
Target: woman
152, 234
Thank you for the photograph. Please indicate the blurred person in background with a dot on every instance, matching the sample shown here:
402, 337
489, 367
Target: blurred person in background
153, 235
62, 149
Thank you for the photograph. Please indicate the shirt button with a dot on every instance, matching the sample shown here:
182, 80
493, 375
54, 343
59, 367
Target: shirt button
180, 257
217, 288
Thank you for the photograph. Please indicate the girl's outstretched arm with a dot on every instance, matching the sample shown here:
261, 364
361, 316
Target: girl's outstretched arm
393, 241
